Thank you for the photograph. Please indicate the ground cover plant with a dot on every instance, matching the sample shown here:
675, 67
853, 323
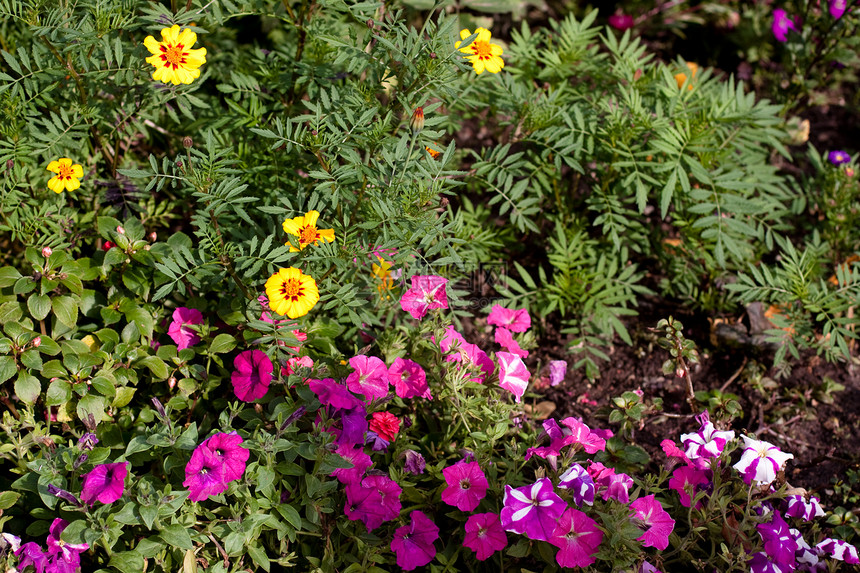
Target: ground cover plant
334, 286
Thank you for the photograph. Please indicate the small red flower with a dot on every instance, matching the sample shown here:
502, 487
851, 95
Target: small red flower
107, 246
385, 424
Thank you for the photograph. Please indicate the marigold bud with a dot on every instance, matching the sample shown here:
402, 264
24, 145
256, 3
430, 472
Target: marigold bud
46, 252
417, 121
187, 142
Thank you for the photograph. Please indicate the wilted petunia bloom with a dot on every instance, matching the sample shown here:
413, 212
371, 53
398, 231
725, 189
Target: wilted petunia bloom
414, 463
104, 483
557, 372
427, 292
413, 543
467, 485
252, 376
179, 330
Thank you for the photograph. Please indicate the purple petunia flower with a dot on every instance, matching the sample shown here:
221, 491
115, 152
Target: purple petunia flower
760, 461
228, 449
204, 475
375, 500
837, 8
532, 510
484, 535
426, 293
762, 563
839, 550
514, 320
370, 378
838, 157
31, 554
513, 374
781, 25
354, 424
87, 442
577, 536
806, 556
580, 484
360, 462
558, 440
413, 543
330, 393
105, 483
252, 376
409, 379
659, 525
798, 506
779, 543
467, 485
557, 372
611, 485
64, 557
179, 330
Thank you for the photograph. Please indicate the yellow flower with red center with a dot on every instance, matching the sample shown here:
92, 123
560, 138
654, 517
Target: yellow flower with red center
291, 292
481, 53
305, 228
174, 60
681, 78
67, 175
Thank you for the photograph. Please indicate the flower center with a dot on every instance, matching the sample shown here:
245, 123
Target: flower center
308, 234
481, 49
464, 484
173, 55
291, 288
65, 172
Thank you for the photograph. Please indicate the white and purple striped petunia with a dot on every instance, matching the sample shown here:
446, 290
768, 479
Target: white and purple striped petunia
532, 510
760, 461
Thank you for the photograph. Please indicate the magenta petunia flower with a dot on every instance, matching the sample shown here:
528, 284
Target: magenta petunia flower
513, 374
558, 440
611, 485
105, 483
354, 426
839, 550
532, 510
413, 543
837, 8
370, 378
179, 330
360, 462
31, 554
204, 475
580, 484
779, 543
589, 439
838, 157
577, 536
781, 25
467, 485
798, 506
375, 500
557, 372
427, 293
228, 449
514, 320
409, 379
760, 461
330, 393
505, 339
685, 480
64, 557
467, 354
484, 535
762, 563
671, 449
659, 525
621, 21
451, 340
252, 376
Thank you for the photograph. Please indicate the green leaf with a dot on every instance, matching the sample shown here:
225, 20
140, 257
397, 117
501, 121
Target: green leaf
39, 305
8, 499
127, 561
156, 366
59, 392
8, 368
66, 310
91, 404
258, 555
177, 536
28, 388
8, 276
124, 394
143, 319
222, 343
135, 445
32, 360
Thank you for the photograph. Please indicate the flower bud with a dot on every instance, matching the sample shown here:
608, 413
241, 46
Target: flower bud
187, 142
417, 121
120, 230
37, 342
849, 172
107, 245
153, 236
46, 252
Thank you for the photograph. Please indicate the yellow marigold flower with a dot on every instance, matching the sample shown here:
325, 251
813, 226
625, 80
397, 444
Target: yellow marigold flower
174, 60
305, 228
681, 78
67, 175
433, 153
481, 53
291, 292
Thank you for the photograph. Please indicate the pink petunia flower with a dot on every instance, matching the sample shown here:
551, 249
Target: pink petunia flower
659, 525
577, 536
227, 449
374, 500
621, 21
370, 377
484, 535
467, 485
505, 339
296, 362
837, 8
31, 554
781, 25
426, 293
179, 330
685, 480
580, 484
671, 449
104, 483
611, 485
409, 379
330, 393
532, 510
467, 354
252, 376
413, 543
514, 320
204, 475
360, 462
557, 372
64, 557
589, 439
513, 374
760, 461
451, 340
